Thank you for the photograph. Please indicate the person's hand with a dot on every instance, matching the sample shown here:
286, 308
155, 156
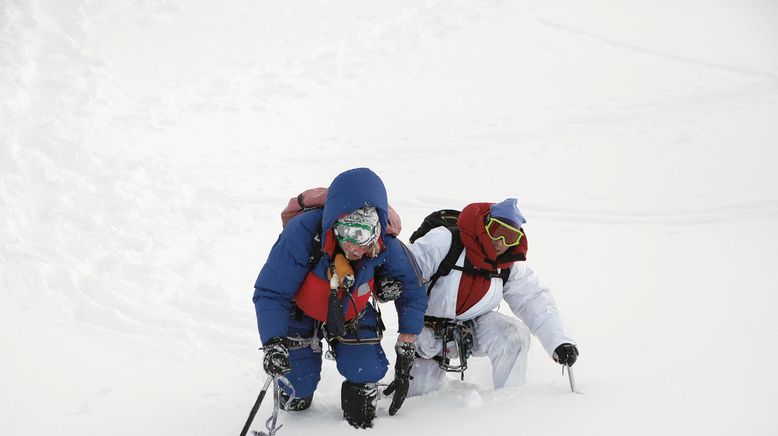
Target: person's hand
276, 360
566, 354
406, 352
388, 289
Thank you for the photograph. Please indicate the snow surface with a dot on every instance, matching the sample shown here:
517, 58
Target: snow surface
148, 146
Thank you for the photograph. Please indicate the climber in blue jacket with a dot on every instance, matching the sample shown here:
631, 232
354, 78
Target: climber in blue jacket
317, 284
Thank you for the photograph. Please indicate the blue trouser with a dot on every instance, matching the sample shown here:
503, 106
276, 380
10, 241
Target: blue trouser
358, 363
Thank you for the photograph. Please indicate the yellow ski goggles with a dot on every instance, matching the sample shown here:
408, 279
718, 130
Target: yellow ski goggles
496, 229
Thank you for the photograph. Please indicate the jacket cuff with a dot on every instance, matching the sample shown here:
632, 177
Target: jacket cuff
411, 321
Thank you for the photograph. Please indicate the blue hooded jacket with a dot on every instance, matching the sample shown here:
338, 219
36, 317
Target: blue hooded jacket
288, 262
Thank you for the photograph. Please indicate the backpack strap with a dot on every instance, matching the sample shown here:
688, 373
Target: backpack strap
504, 275
316, 248
449, 261
468, 268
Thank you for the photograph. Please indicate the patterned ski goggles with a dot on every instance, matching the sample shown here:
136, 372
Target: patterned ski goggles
356, 233
497, 229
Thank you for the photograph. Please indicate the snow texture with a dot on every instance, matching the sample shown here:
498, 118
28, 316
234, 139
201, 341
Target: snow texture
147, 148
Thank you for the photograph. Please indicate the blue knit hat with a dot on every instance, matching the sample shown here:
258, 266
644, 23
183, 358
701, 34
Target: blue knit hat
507, 211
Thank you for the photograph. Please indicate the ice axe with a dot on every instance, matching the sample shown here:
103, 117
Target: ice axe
272, 422
570, 377
256, 406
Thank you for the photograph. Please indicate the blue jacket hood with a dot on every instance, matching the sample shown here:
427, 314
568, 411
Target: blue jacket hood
354, 189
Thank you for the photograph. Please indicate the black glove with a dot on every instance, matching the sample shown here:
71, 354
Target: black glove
406, 352
276, 357
388, 289
566, 354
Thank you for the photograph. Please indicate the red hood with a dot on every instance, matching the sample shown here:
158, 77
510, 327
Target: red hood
480, 251
481, 254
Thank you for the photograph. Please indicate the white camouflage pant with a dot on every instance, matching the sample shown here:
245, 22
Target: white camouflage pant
504, 339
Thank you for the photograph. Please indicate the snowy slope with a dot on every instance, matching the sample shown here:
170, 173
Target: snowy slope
147, 148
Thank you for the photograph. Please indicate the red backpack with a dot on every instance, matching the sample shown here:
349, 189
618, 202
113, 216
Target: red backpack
314, 198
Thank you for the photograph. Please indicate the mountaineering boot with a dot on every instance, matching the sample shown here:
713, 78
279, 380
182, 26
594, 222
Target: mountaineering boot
358, 401
297, 403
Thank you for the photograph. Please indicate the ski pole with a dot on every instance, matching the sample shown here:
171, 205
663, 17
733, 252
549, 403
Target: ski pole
256, 405
571, 377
